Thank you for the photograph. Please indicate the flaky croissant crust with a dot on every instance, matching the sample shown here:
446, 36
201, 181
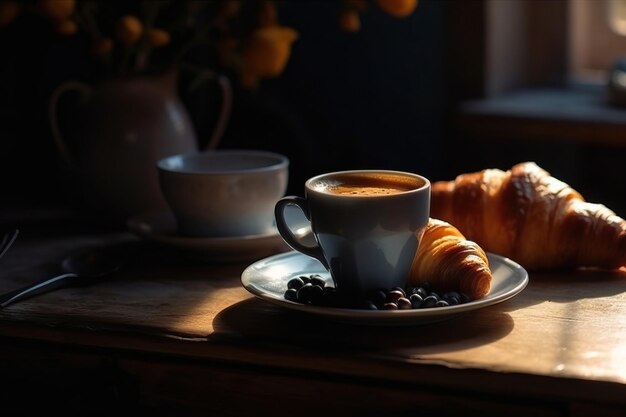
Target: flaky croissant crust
530, 216
450, 262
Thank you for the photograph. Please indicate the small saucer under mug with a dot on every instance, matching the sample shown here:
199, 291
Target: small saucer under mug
160, 227
267, 279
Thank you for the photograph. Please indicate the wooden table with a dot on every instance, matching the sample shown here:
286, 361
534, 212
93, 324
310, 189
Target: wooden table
170, 336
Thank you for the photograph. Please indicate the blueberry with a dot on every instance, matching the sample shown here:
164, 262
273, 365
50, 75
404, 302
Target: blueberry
416, 300
295, 283
393, 296
452, 294
304, 293
316, 294
317, 280
291, 294
390, 306
441, 303
404, 304
306, 279
429, 301
421, 291
464, 299
434, 294
451, 298
400, 289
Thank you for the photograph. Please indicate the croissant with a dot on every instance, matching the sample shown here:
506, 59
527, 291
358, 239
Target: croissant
449, 262
531, 217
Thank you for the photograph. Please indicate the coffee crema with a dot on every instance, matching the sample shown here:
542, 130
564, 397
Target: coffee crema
358, 190
364, 185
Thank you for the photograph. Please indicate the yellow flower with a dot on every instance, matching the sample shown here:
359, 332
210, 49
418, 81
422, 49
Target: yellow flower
128, 30
247, 36
57, 9
398, 8
67, 27
349, 21
158, 37
268, 51
8, 12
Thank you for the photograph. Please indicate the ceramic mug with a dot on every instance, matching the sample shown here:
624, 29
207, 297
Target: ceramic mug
224, 193
367, 226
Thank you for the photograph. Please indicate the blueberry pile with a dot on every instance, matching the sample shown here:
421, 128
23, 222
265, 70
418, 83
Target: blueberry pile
312, 289
422, 296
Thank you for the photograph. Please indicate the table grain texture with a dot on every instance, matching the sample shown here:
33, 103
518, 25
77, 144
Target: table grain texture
171, 336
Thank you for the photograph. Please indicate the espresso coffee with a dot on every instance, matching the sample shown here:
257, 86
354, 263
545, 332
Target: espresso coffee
358, 190
363, 185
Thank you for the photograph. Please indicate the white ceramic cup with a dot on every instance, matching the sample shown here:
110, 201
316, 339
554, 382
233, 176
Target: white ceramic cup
224, 193
367, 225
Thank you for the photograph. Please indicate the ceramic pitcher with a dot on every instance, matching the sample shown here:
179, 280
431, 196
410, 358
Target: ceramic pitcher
127, 125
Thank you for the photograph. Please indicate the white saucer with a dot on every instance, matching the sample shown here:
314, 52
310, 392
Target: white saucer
160, 227
267, 279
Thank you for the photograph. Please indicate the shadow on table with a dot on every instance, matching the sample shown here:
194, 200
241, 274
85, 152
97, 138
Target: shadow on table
255, 321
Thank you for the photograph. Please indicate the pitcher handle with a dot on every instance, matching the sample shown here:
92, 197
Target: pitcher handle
85, 90
226, 105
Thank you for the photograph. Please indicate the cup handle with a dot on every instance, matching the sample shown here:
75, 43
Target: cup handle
287, 234
60, 143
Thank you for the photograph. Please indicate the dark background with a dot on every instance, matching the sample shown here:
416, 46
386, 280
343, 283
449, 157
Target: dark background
385, 97
374, 99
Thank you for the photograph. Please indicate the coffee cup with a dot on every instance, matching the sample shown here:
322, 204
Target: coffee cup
367, 226
224, 193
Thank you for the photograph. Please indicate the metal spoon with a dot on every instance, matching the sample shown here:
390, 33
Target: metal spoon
79, 269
